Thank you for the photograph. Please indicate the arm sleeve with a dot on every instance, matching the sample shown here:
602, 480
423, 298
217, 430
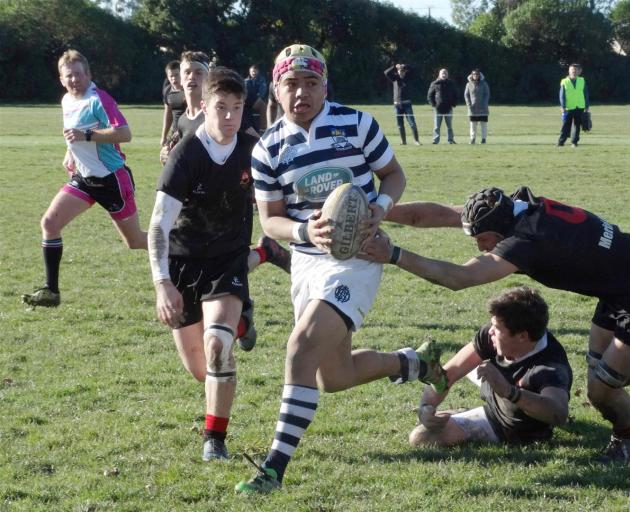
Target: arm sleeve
390, 74
562, 97
165, 212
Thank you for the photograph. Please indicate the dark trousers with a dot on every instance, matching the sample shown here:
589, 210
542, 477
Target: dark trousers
403, 110
571, 117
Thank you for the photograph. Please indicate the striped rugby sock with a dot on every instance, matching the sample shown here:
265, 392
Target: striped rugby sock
52, 249
297, 410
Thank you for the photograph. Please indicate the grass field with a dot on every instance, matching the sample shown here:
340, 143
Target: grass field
97, 413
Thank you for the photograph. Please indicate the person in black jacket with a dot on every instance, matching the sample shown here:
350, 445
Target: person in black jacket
442, 96
399, 75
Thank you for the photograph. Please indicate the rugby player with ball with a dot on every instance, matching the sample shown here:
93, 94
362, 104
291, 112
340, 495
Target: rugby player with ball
316, 147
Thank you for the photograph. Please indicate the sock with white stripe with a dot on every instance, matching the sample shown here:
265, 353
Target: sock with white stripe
52, 249
297, 410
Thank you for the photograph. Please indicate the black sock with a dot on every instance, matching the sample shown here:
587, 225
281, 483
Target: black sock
52, 249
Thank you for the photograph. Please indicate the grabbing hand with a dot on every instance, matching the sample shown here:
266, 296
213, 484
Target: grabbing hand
431, 419
378, 248
487, 372
319, 231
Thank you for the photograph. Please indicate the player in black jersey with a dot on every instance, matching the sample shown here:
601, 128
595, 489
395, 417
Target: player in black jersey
523, 372
199, 247
560, 246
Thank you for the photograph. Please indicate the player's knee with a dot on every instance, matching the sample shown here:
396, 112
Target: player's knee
49, 225
329, 384
218, 341
419, 436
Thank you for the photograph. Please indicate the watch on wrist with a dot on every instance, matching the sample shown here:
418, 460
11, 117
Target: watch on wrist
88, 135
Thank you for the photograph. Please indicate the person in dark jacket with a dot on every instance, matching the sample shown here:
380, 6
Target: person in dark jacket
443, 98
399, 75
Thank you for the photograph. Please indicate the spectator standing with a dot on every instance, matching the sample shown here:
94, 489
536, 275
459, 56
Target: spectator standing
477, 97
443, 98
399, 75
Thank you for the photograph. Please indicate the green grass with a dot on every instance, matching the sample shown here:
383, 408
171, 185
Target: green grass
97, 413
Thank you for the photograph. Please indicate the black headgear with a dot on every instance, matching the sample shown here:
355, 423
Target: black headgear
488, 210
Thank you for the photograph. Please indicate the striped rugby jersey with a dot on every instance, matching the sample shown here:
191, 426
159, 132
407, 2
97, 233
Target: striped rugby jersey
343, 145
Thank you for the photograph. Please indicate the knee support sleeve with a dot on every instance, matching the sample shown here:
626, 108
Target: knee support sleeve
226, 369
593, 358
611, 377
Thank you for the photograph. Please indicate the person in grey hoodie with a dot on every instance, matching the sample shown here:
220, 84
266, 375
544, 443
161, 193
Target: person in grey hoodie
477, 96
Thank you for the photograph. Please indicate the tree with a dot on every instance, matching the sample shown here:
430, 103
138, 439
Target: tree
464, 12
620, 17
560, 30
488, 26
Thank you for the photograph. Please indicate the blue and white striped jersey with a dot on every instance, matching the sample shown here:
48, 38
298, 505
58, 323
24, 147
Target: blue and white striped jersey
343, 145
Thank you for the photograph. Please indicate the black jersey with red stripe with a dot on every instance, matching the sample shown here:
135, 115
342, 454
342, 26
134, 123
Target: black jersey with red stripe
568, 248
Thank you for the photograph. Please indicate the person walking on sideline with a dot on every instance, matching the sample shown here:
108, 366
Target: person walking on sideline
574, 100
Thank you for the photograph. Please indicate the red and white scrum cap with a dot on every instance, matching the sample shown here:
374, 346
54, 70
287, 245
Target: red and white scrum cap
300, 57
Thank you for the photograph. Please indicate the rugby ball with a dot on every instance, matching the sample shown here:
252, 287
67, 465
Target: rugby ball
345, 208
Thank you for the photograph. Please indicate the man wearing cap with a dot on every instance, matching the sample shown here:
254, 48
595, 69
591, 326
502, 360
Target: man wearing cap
314, 148
560, 246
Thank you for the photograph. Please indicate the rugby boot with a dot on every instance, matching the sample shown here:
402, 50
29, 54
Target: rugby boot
248, 340
618, 450
430, 353
276, 254
214, 449
42, 297
263, 482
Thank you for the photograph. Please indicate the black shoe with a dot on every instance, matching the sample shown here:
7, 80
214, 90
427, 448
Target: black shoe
452, 142
618, 450
42, 297
248, 340
483, 141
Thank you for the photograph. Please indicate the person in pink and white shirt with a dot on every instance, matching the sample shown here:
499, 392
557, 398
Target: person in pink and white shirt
93, 128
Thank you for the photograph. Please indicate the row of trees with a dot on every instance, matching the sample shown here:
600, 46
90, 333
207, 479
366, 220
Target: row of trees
129, 41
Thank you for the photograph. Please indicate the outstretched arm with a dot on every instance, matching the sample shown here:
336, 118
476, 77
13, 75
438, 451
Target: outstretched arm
480, 270
423, 214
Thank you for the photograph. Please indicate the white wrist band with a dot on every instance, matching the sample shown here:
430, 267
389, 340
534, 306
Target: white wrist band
297, 233
385, 202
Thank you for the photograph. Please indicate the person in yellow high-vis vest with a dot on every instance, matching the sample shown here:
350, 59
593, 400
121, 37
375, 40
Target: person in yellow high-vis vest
573, 101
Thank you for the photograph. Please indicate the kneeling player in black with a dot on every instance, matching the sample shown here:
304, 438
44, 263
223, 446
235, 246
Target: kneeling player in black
524, 375
560, 246
199, 246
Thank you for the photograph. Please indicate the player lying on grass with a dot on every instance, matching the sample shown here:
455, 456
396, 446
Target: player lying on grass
524, 375
93, 128
312, 149
560, 246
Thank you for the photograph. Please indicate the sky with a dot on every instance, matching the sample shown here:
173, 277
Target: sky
438, 8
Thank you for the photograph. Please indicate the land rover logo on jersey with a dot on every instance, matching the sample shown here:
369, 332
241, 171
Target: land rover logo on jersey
316, 185
287, 154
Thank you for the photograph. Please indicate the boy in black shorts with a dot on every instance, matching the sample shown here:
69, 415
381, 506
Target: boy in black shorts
199, 247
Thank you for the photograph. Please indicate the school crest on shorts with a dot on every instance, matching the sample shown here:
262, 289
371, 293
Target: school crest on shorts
342, 293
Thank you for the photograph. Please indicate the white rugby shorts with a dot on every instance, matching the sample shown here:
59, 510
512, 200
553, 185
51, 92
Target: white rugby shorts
349, 285
475, 423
